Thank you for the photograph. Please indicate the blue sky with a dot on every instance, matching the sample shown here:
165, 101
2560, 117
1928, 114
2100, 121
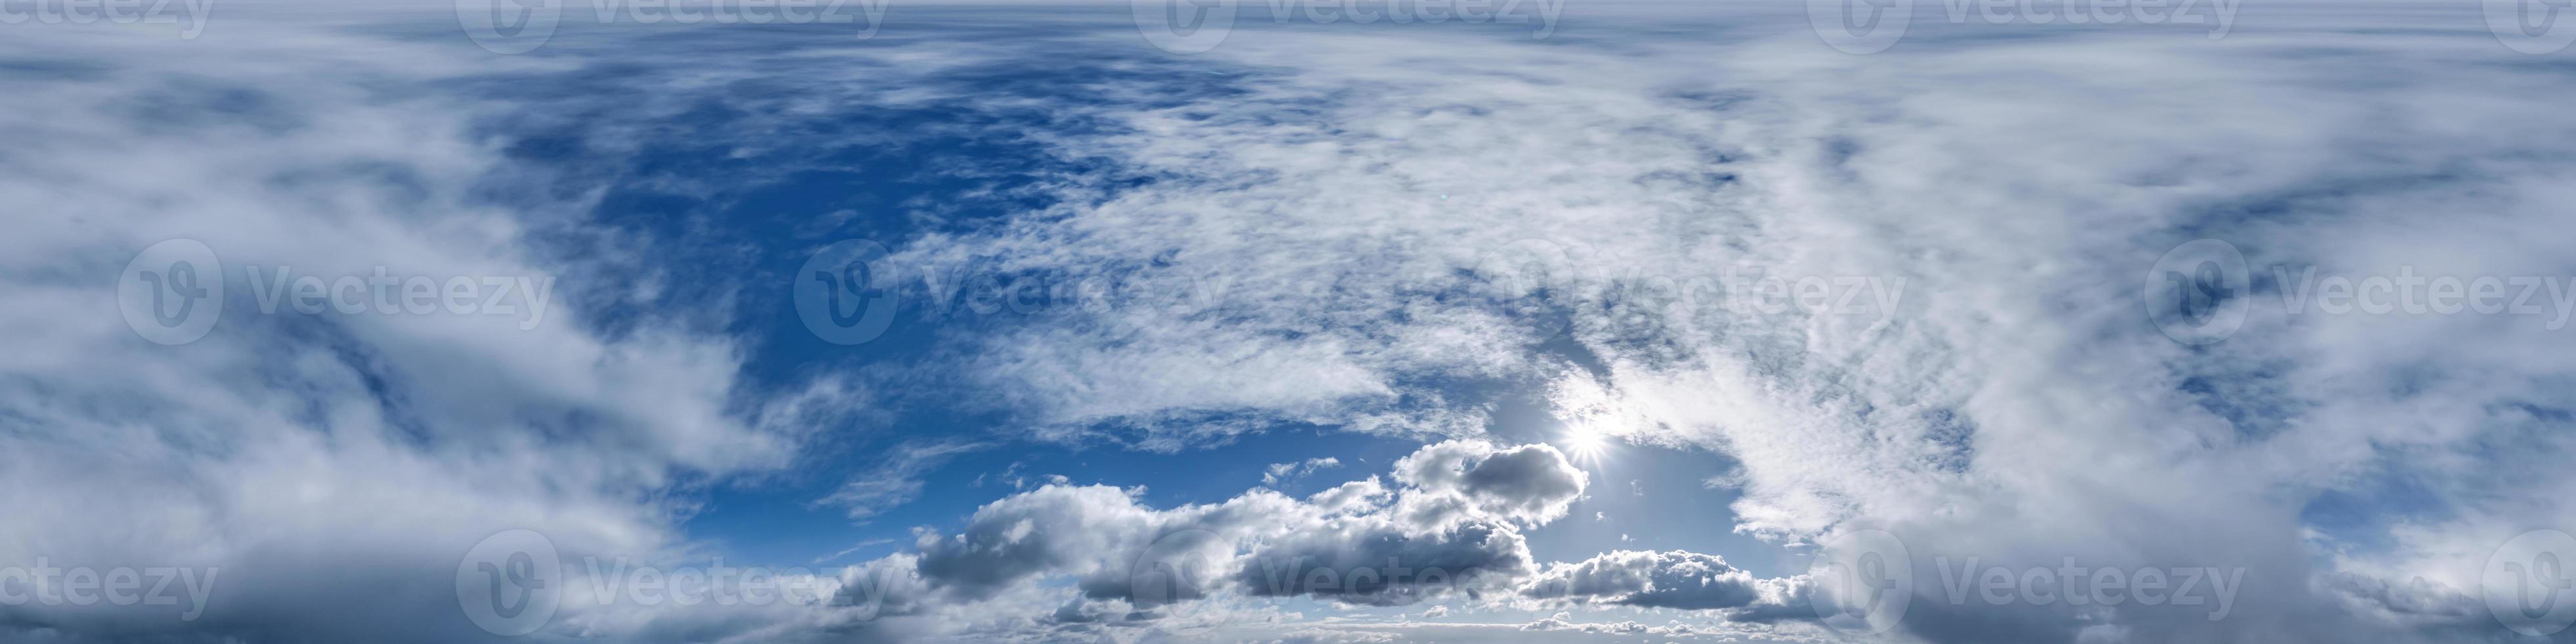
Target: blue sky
1263, 322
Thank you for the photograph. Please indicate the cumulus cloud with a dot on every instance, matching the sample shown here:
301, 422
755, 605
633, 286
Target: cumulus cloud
1357, 543
1559, 623
1674, 579
1528, 484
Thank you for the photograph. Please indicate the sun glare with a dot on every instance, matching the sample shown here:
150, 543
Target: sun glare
1591, 416
1585, 441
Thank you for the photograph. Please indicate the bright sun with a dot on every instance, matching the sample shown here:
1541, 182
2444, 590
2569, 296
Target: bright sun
1592, 419
1585, 441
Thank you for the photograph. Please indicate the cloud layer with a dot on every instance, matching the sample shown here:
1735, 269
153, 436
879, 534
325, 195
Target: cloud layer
1367, 230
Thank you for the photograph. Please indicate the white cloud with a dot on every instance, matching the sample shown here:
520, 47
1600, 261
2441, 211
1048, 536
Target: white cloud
312, 458
2015, 403
1278, 471
1345, 205
1676, 579
1358, 543
897, 480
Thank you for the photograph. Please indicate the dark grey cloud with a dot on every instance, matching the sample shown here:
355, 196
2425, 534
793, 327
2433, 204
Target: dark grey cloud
1379, 563
1672, 579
